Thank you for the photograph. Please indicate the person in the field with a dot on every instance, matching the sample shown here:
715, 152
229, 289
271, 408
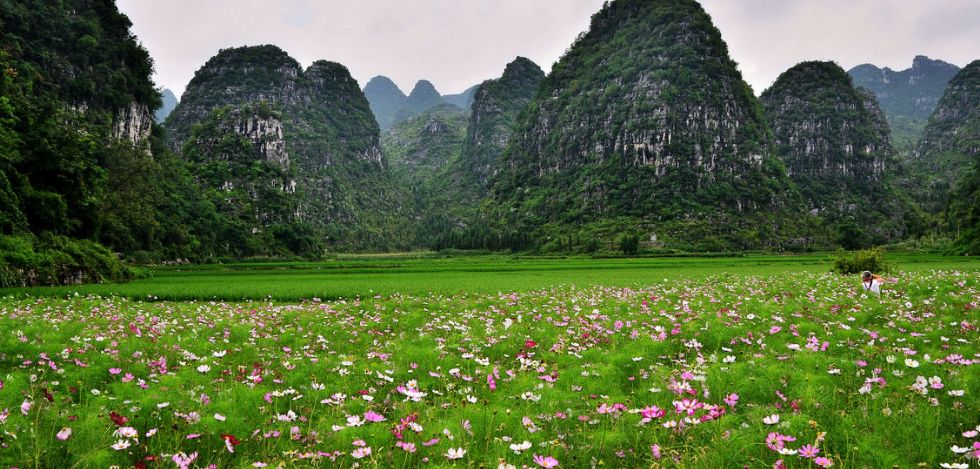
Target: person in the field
871, 283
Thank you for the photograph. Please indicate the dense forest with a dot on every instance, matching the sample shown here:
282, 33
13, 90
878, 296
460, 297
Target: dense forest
643, 137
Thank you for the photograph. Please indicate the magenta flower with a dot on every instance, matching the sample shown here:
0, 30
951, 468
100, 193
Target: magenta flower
545, 461
808, 451
823, 462
731, 400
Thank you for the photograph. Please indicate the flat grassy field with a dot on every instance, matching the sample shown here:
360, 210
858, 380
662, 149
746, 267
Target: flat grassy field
369, 275
680, 362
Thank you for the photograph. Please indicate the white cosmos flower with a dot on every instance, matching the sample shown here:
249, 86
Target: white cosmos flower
771, 420
517, 448
911, 363
121, 445
203, 369
455, 453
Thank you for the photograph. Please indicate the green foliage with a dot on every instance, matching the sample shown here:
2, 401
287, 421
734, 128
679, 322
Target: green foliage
872, 260
629, 243
27, 260
964, 213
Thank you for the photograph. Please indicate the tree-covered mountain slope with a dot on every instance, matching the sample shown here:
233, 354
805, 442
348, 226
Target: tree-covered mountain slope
835, 143
948, 157
338, 190
908, 96
646, 126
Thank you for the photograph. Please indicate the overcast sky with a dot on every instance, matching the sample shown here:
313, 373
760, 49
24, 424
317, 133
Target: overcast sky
458, 43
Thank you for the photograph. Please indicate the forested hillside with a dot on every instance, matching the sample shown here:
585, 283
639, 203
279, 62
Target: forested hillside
835, 143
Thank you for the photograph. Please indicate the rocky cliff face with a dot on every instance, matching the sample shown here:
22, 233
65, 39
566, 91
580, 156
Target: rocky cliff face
133, 123
907, 96
240, 151
646, 119
423, 97
385, 99
326, 128
950, 144
834, 141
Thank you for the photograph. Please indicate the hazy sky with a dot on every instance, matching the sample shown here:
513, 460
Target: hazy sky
459, 43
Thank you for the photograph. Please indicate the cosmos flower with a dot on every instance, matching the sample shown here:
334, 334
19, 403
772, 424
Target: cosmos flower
455, 453
545, 461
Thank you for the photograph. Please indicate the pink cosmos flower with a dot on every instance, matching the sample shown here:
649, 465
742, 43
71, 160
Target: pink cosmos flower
731, 400
651, 412
361, 452
823, 462
687, 405
25, 407
406, 447
372, 416
184, 461
655, 450
808, 451
545, 461
64, 434
115, 371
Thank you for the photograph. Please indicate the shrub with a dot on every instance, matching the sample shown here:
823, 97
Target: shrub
29, 260
630, 244
872, 260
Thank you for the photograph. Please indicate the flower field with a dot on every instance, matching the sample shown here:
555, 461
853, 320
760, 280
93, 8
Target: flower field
798, 370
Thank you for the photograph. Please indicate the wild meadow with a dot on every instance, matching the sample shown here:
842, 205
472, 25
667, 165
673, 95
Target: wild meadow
753, 369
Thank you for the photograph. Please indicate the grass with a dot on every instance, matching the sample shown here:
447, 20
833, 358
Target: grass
366, 276
588, 375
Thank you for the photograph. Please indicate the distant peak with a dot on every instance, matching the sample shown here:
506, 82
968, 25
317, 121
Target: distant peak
424, 87
921, 61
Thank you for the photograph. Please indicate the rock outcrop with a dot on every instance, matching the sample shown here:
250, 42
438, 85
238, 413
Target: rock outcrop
133, 123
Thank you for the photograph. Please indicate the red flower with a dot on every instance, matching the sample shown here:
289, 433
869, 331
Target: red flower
230, 439
530, 343
117, 419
